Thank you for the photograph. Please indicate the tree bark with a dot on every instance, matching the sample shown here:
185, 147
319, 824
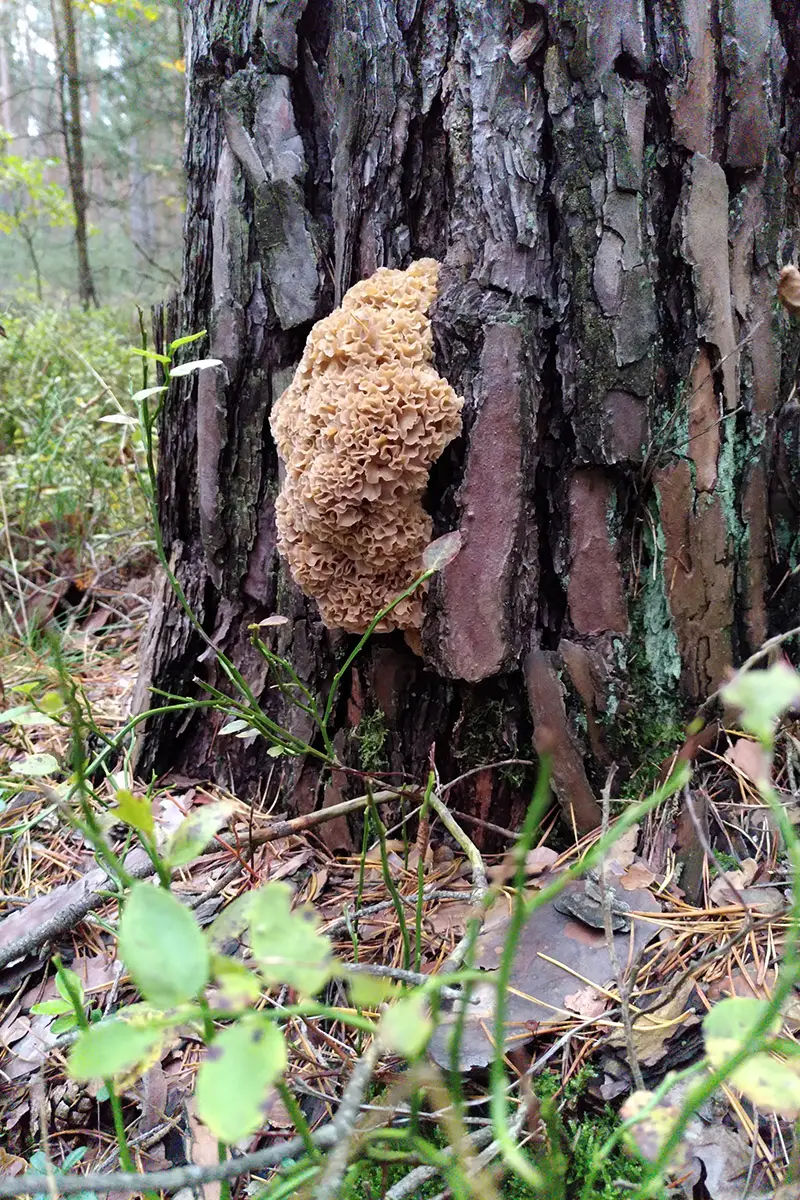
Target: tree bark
608, 189
70, 96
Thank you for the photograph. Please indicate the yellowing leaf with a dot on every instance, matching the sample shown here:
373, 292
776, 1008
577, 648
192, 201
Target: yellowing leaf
652, 1125
368, 991
770, 1083
762, 697
110, 1048
729, 1024
406, 1027
136, 811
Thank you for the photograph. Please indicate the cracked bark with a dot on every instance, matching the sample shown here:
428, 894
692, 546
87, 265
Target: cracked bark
611, 212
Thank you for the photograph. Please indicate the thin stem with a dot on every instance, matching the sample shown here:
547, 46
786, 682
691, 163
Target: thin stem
298, 1120
423, 817
391, 886
119, 1127
509, 1148
362, 641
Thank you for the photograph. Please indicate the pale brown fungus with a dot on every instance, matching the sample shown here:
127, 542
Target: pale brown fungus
358, 429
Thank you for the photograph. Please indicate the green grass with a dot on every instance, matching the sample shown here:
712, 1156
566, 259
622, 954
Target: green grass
68, 477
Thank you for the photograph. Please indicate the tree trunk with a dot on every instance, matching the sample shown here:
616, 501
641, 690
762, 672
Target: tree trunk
6, 112
70, 96
611, 197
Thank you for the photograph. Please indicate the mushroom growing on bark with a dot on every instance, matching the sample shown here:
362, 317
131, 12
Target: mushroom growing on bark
358, 429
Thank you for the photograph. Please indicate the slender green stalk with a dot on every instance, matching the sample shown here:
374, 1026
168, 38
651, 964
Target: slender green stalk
290, 1185
391, 886
119, 1127
88, 822
225, 1184
601, 1156
597, 852
298, 1120
512, 1155
310, 708
362, 862
362, 641
423, 816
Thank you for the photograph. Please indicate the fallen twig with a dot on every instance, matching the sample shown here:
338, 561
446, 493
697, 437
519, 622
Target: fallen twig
170, 1180
66, 905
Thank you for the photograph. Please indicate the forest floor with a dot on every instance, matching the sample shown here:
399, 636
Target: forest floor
567, 1035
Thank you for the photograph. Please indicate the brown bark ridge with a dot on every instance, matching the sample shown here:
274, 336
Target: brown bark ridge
608, 189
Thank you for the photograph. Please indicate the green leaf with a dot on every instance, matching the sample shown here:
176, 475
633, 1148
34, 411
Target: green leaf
286, 944
64, 977
729, 1024
162, 358
195, 832
234, 1080
369, 991
163, 946
231, 922
146, 393
771, 1084
108, 1049
52, 703
119, 419
236, 726
762, 697
52, 1008
136, 811
197, 364
767, 1081
186, 341
25, 689
406, 1027
238, 986
35, 765
280, 751
64, 1024
24, 715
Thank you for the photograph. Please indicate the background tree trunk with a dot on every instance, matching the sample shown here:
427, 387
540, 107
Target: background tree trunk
70, 97
611, 196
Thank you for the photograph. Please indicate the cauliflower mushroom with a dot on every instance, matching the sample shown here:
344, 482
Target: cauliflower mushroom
358, 429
